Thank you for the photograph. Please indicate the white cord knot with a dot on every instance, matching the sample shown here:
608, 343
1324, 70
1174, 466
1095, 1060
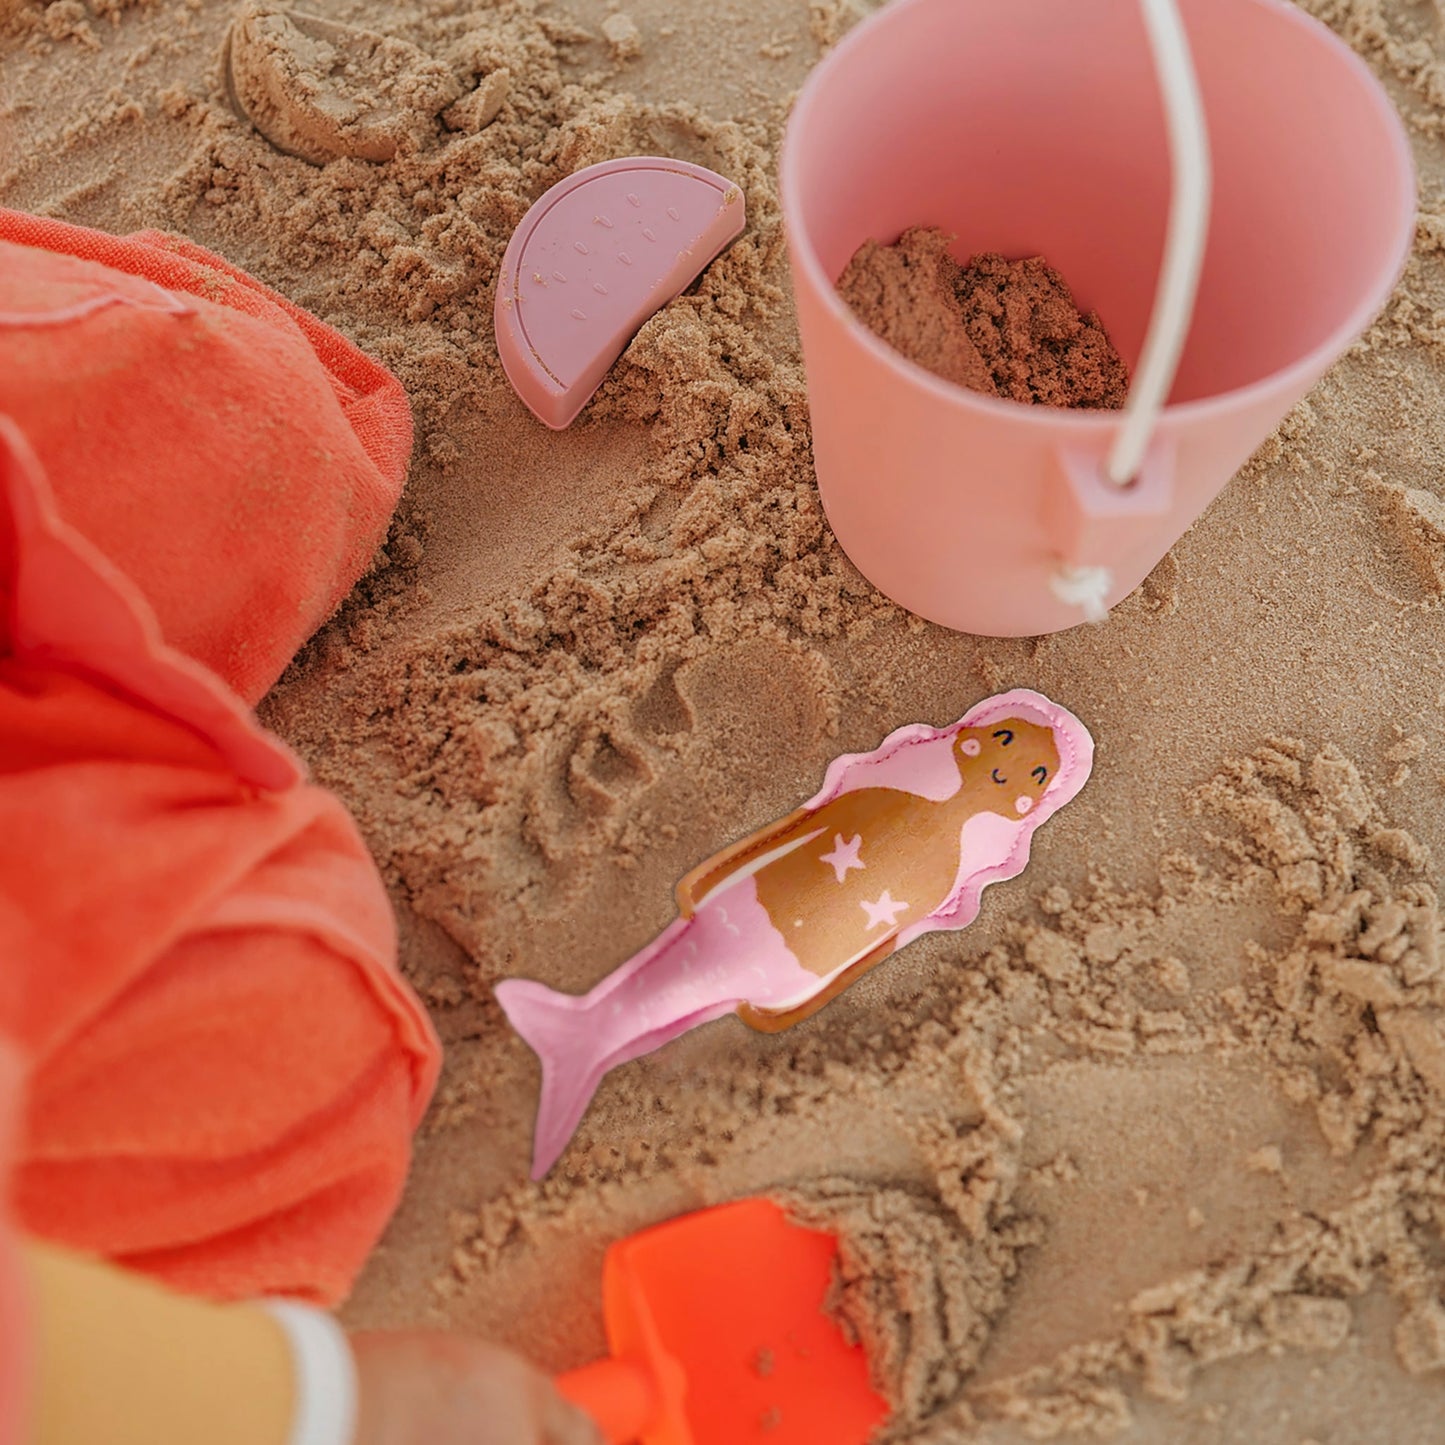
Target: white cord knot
1087, 588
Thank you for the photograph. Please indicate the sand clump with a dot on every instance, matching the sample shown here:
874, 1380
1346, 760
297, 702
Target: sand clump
917, 1285
1418, 519
479, 108
320, 90
1153, 1150
1005, 328
623, 37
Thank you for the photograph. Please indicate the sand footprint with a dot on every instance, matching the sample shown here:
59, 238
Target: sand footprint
320, 90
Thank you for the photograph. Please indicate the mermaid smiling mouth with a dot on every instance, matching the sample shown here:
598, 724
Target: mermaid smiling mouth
994, 775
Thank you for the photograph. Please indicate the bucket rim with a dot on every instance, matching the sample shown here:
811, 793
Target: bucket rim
1300, 375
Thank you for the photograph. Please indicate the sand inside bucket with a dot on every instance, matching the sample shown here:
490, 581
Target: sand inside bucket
1003, 327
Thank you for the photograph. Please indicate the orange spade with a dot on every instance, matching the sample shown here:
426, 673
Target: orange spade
718, 1337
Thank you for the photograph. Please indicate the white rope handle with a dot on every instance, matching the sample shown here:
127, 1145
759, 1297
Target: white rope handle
1184, 240
1086, 588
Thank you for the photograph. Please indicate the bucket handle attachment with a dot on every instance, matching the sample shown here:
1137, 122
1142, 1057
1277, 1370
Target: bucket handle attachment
1081, 585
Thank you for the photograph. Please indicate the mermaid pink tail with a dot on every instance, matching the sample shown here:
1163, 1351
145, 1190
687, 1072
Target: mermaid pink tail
696, 970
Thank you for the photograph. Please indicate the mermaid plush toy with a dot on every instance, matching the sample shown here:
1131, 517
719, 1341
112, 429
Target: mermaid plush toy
900, 842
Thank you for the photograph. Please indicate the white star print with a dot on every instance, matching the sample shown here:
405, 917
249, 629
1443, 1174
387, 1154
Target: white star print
884, 911
844, 855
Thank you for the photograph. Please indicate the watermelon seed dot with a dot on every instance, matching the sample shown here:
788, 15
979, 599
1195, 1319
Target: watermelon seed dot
624, 258
601, 221
580, 248
648, 233
672, 211
632, 199
579, 315
599, 288
558, 276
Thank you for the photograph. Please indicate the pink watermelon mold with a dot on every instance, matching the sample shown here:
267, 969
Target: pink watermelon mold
594, 258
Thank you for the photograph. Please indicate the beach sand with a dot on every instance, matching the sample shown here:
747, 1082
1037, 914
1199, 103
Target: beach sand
1157, 1148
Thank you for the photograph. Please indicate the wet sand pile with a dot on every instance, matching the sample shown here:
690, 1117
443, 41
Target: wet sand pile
1156, 1148
1004, 328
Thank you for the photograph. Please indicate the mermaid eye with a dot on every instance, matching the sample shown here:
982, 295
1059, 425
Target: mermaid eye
1042, 774
1005, 737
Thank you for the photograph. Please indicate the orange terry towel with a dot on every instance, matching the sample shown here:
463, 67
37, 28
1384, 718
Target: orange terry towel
196, 952
237, 459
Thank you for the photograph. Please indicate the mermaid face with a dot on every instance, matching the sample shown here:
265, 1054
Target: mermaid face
1008, 765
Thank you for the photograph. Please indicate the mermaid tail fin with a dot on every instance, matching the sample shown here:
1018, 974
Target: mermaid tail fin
553, 1025
695, 970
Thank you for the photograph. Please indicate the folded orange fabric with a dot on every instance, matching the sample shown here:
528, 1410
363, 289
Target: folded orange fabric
237, 459
224, 1066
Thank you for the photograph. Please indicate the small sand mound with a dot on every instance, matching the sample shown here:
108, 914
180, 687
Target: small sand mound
321, 90
1418, 520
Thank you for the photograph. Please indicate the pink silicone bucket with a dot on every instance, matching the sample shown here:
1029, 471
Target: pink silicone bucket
1035, 127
